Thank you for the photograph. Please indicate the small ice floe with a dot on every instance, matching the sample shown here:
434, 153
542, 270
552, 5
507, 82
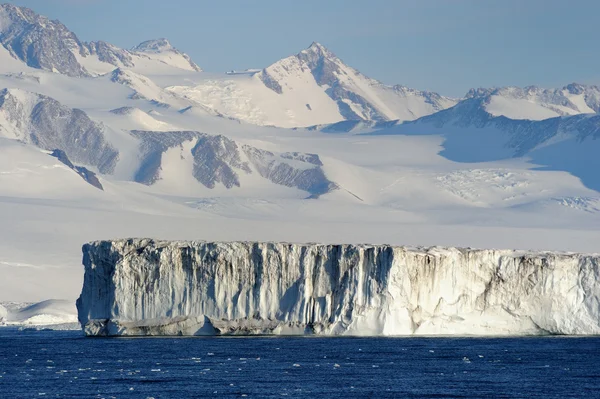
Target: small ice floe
296, 365
466, 360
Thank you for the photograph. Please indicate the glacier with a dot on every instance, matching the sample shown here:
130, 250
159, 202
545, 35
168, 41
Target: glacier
136, 287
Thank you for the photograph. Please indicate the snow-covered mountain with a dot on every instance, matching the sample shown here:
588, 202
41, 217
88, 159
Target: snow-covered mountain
356, 96
163, 50
49, 45
183, 154
214, 159
520, 137
536, 103
473, 134
311, 87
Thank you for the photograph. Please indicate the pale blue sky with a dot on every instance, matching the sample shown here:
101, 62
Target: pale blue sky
443, 45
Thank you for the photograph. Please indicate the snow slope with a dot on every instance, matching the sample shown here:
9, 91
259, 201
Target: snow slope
57, 314
474, 135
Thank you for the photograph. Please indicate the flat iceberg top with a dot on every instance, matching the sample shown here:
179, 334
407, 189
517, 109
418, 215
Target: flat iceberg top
157, 243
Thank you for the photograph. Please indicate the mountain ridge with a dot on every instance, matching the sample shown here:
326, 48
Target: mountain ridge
49, 45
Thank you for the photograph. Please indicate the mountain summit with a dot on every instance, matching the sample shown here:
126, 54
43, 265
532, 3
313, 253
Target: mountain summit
164, 50
49, 45
153, 46
356, 95
40, 42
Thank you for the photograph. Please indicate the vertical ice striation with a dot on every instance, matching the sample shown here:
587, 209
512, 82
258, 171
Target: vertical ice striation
147, 287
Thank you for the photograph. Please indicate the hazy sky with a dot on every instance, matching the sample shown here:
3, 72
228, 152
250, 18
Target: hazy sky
443, 45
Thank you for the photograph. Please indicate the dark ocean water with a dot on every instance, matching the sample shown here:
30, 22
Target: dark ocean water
36, 364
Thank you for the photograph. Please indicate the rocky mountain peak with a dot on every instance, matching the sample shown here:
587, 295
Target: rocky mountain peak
319, 50
40, 42
478, 92
12, 13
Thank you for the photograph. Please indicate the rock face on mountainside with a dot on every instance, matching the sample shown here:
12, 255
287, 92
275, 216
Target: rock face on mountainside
44, 122
217, 159
85, 173
146, 287
39, 42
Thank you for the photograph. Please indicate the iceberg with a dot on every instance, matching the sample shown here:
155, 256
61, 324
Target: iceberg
138, 287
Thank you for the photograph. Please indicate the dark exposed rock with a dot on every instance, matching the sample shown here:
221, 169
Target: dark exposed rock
270, 82
220, 160
215, 161
152, 147
308, 177
106, 52
40, 42
50, 125
85, 173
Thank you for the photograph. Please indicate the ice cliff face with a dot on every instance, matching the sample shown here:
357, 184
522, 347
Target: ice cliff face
146, 287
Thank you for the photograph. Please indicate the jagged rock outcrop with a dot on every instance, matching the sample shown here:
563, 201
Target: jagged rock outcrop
40, 42
85, 173
44, 122
291, 169
220, 160
146, 287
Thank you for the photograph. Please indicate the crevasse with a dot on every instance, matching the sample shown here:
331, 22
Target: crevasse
147, 287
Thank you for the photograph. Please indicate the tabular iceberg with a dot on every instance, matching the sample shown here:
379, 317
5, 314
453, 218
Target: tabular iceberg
147, 287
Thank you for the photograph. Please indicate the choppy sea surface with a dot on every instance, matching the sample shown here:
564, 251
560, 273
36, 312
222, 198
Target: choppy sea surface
64, 364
